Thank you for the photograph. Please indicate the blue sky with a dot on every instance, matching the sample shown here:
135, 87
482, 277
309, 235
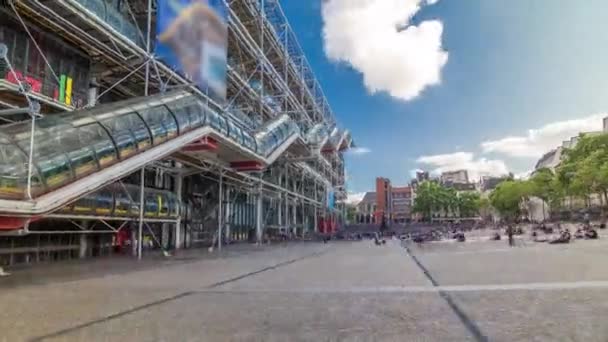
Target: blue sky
466, 84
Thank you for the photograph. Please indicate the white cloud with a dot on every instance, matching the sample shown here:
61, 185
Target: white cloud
431, 2
465, 161
377, 38
358, 150
354, 198
541, 140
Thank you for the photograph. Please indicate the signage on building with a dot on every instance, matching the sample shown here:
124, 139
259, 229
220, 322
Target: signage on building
192, 38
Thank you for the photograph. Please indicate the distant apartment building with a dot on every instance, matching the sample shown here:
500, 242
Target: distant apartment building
366, 208
383, 199
394, 204
552, 159
455, 177
489, 183
402, 204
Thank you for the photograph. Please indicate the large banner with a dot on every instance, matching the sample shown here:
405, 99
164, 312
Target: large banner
331, 200
192, 38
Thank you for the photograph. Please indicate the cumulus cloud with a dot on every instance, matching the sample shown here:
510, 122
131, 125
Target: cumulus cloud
465, 161
541, 140
359, 150
354, 197
377, 39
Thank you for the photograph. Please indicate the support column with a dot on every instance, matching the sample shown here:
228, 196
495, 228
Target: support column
140, 230
179, 181
227, 221
316, 220
164, 236
258, 219
219, 212
280, 211
294, 227
83, 251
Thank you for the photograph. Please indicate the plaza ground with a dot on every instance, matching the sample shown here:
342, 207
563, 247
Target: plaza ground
341, 291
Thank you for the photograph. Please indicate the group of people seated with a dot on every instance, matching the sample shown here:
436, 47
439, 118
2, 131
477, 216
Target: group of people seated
586, 231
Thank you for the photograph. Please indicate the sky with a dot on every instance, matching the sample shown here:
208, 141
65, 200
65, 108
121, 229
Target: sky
439, 85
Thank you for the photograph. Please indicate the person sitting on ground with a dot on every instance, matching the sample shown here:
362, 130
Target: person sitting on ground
496, 237
591, 234
536, 238
563, 238
579, 234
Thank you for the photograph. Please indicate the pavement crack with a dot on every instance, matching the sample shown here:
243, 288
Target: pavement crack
468, 323
170, 299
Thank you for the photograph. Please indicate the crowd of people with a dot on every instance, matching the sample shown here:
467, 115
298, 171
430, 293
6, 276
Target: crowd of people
552, 233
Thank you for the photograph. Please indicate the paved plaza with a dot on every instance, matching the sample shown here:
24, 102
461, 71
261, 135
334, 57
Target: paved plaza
341, 291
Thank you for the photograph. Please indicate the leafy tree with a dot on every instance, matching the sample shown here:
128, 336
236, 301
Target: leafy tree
508, 196
469, 204
431, 198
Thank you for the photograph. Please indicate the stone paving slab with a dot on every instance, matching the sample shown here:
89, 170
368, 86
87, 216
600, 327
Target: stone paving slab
31, 311
343, 268
284, 318
556, 315
493, 262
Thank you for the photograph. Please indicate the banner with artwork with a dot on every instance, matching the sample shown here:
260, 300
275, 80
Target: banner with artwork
331, 199
192, 38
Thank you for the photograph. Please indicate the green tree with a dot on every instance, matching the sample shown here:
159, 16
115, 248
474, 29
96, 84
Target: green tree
468, 204
508, 196
541, 186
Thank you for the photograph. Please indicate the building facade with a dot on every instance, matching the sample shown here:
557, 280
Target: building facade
105, 144
402, 204
455, 177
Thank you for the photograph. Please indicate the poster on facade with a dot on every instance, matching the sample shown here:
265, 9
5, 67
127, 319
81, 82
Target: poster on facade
192, 38
331, 199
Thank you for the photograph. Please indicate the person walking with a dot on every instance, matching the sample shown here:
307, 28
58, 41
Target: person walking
510, 234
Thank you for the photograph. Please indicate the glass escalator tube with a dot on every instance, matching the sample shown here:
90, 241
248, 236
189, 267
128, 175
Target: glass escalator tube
85, 205
80, 153
121, 135
14, 171
104, 202
151, 204
50, 157
123, 206
163, 204
154, 118
100, 142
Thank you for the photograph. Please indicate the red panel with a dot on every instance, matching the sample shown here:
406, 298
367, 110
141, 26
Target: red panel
203, 144
14, 223
249, 165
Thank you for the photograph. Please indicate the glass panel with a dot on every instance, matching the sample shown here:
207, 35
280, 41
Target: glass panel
80, 153
173, 206
85, 205
223, 123
121, 133
101, 143
155, 118
235, 133
182, 114
249, 142
104, 202
49, 156
163, 201
214, 120
122, 203
13, 172
151, 204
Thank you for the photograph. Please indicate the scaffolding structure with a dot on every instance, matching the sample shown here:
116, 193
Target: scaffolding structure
225, 190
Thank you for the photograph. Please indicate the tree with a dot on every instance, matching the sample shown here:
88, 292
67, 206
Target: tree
431, 198
508, 196
584, 169
541, 186
469, 204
